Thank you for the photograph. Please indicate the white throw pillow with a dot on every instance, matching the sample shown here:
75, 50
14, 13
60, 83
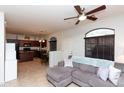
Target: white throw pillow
114, 75
103, 73
68, 63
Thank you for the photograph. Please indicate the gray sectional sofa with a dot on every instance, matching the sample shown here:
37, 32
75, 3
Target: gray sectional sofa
81, 74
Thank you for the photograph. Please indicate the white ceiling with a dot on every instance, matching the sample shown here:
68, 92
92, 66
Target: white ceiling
31, 19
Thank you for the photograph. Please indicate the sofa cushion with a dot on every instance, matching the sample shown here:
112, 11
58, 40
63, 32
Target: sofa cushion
63, 83
121, 80
120, 66
76, 65
59, 73
79, 83
81, 76
68, 63
61, 64
88, 68
95, 81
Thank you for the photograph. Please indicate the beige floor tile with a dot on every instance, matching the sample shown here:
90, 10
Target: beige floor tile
32, 74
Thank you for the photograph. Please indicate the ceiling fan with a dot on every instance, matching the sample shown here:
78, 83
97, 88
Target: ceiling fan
82, 15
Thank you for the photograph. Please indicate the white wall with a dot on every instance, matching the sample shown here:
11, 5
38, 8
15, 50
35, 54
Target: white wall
73, 39
11, 36
2, 33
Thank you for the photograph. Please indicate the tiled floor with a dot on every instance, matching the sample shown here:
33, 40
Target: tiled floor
32, 74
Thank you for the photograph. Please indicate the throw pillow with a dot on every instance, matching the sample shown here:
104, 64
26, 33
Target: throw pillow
68, 63
114, 75
103, 73
88, 68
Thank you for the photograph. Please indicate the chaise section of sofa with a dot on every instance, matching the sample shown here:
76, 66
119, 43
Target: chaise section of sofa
59, 76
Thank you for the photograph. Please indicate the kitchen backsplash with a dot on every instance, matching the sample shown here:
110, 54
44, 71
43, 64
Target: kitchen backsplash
32, 48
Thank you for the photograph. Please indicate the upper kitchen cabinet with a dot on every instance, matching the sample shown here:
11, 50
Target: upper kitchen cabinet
44, 43
35, 43
28, 43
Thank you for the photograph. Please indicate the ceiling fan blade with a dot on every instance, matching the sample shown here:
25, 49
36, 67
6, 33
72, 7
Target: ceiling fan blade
71, 17
78, 8
77, 22
93, 18
96, 10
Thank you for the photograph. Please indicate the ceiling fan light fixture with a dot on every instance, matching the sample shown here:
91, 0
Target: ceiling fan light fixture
82, 17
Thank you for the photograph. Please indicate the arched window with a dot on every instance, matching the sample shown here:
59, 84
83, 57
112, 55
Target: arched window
53, 39
99, 43
53, 44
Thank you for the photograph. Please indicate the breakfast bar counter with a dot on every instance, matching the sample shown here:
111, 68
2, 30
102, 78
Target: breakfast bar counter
26, 56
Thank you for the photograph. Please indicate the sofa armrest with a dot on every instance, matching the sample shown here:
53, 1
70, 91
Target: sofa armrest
121, 80
61, 64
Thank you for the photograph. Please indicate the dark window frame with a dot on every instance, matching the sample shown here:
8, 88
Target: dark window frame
53, 44
101, 36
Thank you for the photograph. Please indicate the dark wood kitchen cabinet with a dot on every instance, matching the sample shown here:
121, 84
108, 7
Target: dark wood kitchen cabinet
22, 42
37, 54
44, 44
35, 43
26, 56
31, 43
